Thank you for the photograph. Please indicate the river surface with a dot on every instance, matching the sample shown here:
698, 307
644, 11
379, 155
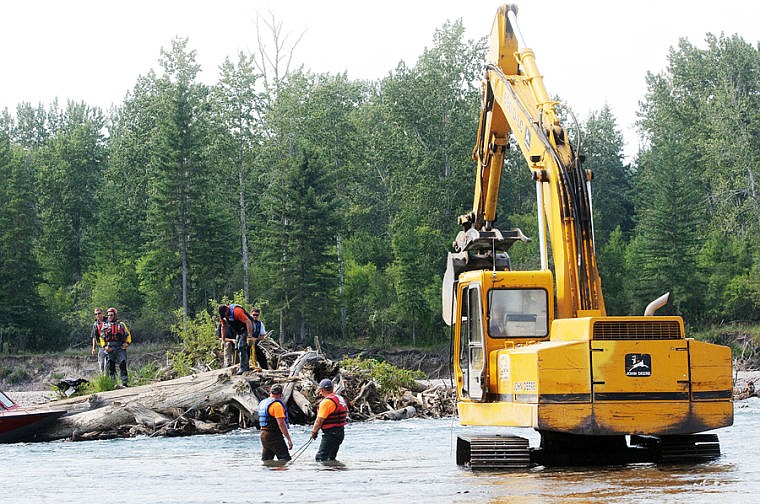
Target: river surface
407, 461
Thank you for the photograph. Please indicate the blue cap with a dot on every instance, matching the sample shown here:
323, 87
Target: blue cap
326, 384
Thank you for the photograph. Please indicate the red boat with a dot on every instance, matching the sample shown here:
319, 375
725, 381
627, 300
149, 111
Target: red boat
19, 424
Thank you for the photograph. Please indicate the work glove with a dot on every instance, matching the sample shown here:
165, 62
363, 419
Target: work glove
314, 434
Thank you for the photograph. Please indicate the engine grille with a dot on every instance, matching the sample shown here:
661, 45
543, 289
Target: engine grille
637, 329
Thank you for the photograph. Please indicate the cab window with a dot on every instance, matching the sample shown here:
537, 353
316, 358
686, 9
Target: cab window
517, 313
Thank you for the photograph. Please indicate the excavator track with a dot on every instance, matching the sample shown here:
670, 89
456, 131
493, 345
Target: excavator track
688, 448
493, 452
498, 452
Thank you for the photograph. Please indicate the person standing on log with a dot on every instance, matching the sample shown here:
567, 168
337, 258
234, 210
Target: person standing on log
228, 347
116, 338
331, 418
237, 326
259, 333
97, 342
273, 420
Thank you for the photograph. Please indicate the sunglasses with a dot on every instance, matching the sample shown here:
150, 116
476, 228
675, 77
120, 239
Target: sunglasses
98, 313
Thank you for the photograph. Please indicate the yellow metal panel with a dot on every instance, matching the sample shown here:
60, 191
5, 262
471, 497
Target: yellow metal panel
609, 419
494, 376
665, 371
519, 279
711, 371
651, 418
571, 329
564, 372
524, 371
542, 368
498, 413
570, 418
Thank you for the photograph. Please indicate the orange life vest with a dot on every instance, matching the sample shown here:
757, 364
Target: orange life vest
338, 417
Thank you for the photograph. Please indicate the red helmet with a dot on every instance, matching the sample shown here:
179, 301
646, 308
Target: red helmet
112, 310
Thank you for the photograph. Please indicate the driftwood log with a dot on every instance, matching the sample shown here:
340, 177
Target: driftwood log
220, 400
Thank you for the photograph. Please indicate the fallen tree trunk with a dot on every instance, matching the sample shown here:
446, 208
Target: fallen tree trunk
157, 403
399, 414
220, 400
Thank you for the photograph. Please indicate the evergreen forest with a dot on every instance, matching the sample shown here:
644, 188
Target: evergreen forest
331, 203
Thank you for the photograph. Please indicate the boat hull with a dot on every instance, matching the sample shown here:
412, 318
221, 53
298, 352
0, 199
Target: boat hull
19, 425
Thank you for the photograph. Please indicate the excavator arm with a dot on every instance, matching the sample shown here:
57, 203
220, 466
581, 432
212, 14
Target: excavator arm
516, 101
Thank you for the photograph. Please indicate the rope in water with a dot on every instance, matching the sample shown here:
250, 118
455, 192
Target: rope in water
299, 451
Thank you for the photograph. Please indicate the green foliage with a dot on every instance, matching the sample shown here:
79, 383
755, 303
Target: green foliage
613, 269
147, 373
197, 338
101, 382
369, 295
19, 268
414, 270
301, 245
525, 256
13, 375
127, 297
390, 378
197, 342
668, 227
698, 120
603, 149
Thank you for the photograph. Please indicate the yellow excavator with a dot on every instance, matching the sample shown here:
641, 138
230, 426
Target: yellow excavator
536, 349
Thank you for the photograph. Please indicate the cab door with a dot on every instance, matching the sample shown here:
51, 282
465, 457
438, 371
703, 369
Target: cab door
471, 348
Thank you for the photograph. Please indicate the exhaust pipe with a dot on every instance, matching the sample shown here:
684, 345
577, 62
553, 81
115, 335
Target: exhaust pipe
656, 304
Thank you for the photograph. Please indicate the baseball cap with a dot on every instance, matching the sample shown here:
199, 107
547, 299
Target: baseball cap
326, 384
276, 389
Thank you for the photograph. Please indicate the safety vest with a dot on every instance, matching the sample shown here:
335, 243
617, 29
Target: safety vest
338, 417
113, 332
264, 415
256, 328
236, 325
97, 331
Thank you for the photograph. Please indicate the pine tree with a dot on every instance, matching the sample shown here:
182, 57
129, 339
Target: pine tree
300, 245
20, 306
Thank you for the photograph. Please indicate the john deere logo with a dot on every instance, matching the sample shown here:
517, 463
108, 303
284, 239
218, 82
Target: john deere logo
638, 364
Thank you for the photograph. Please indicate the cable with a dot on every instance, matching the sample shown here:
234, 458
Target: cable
299, 451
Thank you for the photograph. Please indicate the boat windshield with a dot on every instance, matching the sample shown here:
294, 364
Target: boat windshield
5, 401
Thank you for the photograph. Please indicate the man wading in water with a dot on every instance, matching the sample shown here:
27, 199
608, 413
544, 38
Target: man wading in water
273, 420
331, 418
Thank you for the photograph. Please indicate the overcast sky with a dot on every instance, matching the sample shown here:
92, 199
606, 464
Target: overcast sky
591, 52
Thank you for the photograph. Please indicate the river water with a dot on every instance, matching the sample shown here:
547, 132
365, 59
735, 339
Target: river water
407, 461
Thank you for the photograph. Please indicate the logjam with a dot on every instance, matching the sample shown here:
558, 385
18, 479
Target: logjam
220, 400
